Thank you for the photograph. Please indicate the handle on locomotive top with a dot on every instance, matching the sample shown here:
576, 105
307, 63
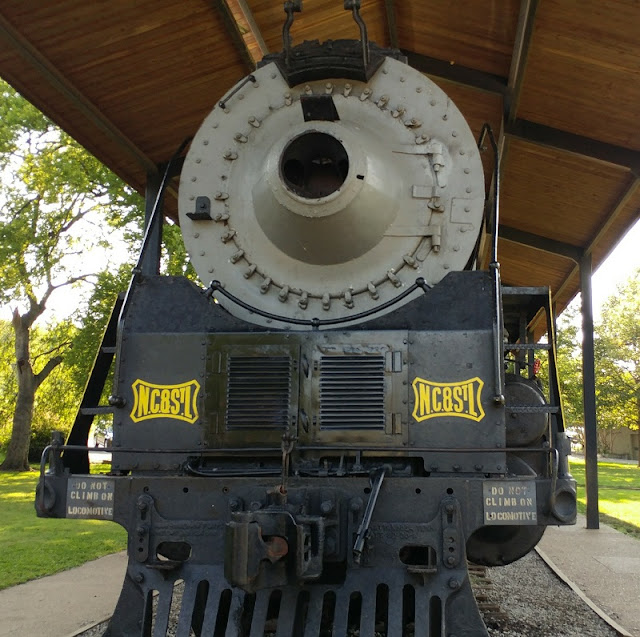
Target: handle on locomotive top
295, 6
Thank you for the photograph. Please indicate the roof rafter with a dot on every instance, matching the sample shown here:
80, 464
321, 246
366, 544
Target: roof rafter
522, 43
569, 142
457, 73
392, 24
65, 87
539, 242
244, 17
235, 33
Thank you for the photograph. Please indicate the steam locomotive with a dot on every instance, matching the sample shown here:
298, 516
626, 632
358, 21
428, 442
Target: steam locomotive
321, 439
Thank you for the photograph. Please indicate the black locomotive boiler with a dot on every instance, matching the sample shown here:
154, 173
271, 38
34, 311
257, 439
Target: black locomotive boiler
322, 438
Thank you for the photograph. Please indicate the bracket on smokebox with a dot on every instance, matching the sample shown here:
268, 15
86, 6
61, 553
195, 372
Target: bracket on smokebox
265, 549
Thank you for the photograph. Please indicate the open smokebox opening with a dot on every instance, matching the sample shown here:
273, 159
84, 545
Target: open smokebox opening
314, 165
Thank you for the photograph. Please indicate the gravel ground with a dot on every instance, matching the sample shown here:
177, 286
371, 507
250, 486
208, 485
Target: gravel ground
533, 603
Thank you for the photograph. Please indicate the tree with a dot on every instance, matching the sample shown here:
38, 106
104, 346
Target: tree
617, 358
569, 363
58, 202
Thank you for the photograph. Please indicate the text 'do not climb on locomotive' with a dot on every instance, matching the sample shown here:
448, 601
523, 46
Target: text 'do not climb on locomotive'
322, 438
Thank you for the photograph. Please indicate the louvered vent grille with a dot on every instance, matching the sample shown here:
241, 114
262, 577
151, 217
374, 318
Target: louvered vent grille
352, 392
258, 391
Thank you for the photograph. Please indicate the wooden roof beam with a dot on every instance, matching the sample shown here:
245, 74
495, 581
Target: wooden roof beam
244, 17
392, 24
522, 43
54, 78
457, 73
569, 142
541, 243
235, 33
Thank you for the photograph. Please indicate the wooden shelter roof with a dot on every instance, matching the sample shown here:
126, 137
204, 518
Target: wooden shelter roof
558, 79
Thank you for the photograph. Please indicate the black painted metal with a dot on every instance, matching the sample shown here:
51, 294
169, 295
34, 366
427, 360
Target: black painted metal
589, 395
77, 460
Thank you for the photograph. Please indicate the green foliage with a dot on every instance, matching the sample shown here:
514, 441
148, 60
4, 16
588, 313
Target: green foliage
58, 202
617, 354
57, 400
175, 260
618, 494
569, 363
617, 363
33, 547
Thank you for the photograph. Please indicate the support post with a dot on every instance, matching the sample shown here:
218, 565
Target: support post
589, 395
151, 261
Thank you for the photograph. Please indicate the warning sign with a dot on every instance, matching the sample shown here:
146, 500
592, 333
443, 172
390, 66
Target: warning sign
90, 498
512, 502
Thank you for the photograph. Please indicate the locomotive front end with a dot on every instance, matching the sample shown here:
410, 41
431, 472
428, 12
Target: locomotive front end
319, 440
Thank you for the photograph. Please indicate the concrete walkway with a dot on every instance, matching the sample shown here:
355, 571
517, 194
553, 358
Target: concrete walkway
62, 604
603, 564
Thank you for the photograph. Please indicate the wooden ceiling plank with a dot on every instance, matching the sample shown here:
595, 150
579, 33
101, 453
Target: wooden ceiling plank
54, 78
233, 30
572, 143
392, 23
520, 56
615, 212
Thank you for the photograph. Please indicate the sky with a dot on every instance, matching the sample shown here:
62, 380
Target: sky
617, 268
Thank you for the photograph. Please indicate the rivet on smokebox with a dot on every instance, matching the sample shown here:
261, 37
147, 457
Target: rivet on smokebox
266, 284
283, 295
348, 299
237, 256
347, 89
394, 279
221, 196
304, 301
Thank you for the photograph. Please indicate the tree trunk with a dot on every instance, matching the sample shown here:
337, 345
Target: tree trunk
18, 451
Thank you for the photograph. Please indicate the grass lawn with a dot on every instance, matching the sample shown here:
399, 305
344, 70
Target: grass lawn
618, 494
33, 547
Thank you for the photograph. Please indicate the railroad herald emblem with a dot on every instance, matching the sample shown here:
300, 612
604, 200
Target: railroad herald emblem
165, 401
457, 400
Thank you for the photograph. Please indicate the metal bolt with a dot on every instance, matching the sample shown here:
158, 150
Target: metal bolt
449, 508
234, 504
142, 505
139, 578
355, 504
255, 506
454, 584
326, 506
451, 560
